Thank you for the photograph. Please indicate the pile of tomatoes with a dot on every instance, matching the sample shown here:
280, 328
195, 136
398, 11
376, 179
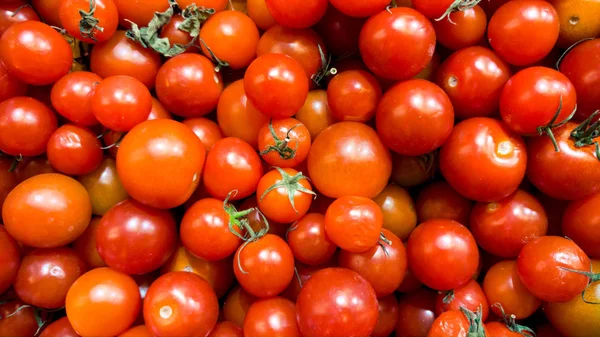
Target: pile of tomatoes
300, 168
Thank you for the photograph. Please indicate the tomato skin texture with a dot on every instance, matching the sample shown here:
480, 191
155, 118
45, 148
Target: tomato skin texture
581, 223
33, 40
315, 115
10, 258
269, 264
13, 13
432, 9
461, 29
579, 173
26, 125
121, 56
236, 305
430, 256
297, 13
539, 266
439, 200
103, 186
46, 275
71, 97
226, 329
105, 11
504, 154
503, 285
354, 223
22, 324
384, 38
469, 296
271, 317
473, 90
451, 323
398, 209
85, 246
207, 130
10, 86
335, 165
309, 242
188, 86
61, 327
275, 205
193, 303
355, 315
259, 13
155, 177
266, 91
353, 95
74, 150
523, 32
417, 306
414, 117
48, 210
359, 9
117, 307
139, 11
300, 141
205, 231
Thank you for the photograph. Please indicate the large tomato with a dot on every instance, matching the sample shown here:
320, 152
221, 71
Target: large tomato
297, 13
104, 11
581, 223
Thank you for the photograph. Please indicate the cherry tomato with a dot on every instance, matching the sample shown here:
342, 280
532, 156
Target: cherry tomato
470, 296
340, 31
437, 264
276, 85
523, 32
139, 12
103, 186
10, 257
111, 297
354, 223
207, 130
398, 209
414, 117
581, 222
61, 327
160, 162
21, 323
274, 316
472, 167
577, 21
180, 304
48, 10
10, 86
315, 115
172, 32
297, 13
259, 13
309, 242
353, 95
385, 36
455, 323
15, 12
440, 201
104, 11
541, 268
285, 145
85, 246
226, 329
461, 29
71, 97
35, 53
473, 78
136, 331
48, 210
410, 171
415, 313
284, 195
122, 56
74, 150
32, 166
236, 305
26, 125
360, 9
388, 317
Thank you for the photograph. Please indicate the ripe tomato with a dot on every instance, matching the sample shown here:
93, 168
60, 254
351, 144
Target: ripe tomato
315, 114
11, 13
354, 223
387, 318
136, 331
383, 265
360, 9
432, 9
579, 174
410, 171
346, 304
32, 166
470, 296
104, 187
48, 10
581, 66
122, 56
172, 32
284, 142
577, 20
160, 162
121, 102
139, 12
135, 239
77, 17
523, 32
399, 216
265, 267
61, 327
415, 313
440, 201
188, 86
26, 125
74, 150
542, 271
48, 210
259, 13
46, 275
342, 155
21, 324
457, 323
435, 263
340, 32
236, 305
461, 29
207, 130
284, 195
414, 117
469, 164
180, 304
71, 97
226, 329
502, 285
353, 95
205, 230
297, 13
309, 242
276, 85
111, 297
384, 38
581, 222
85, 246
473, 78
10, 257
10, 86
35, 53
274, 316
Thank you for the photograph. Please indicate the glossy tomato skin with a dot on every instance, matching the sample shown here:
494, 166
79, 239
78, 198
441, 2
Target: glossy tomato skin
398, 209
122, 56
354, 223
296, 13
415, 313
353, 95
579, 174
414, 117
71, 97
540, 266
61, 327
581, 223
474, 90
384, 38
504, 227
153, 176
180, 304
26, 41
440, 200
299, 141
346, 306
308, 240
46, 275
207, 130
103, 186
276, 204
430, 256
115, 309
468, 165
523, 32
461, 29
85, 246
336, 166
48, 210
105, 12
259, 13
11, 13
188, 86
10, 257
134, 238
74, 150
470, 296
271, 317
315, 114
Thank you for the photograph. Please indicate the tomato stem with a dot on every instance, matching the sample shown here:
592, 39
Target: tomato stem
19, 9
325, 70
592, 278
15, 163
88, 23
547, 129
218, 63
298, 277
511, 324
281, 145
475, 322
117, 143
585, 134
291, 184
449, 297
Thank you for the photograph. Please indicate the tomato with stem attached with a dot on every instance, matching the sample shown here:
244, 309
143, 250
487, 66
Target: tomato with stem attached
581, 223
89, 21
458, 323
461, 29
354, 223
284, 195
284, 142
18, 319
470, 296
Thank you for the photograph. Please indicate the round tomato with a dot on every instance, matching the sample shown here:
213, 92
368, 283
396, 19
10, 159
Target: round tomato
461, 29
315, 115
284, 142
207, 130
259, 13
297, 13
388, 316
61, 327
384, 39
399, 216
103, 186
284, 195
10, 86
440, 201
469, 296
21, 323
577, 20
458, 323
71, 97
353, 95
274, 316
18, 11
308, 240
139, 12
581, 223
354, 223
358, 8
10, 257
472, 167
416, 313
236, 305
160, 162
74, 150
89, 21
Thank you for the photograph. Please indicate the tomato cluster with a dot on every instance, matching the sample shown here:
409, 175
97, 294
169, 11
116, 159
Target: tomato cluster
300, 168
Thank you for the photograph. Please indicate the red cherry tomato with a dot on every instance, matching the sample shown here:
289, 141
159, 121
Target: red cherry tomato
297, 13
21, 323
461, 29
581, 222
104, 11
226, 329
354, 223
284, 195
10, 86
440, 201
388, 316
432, 9
271, 317
353, 95
207, 130
470, 296
358, 8
416, 313
72, 95
18, 11
10, 257
61, 327
286, 145
74, 150
309, 242
455, 323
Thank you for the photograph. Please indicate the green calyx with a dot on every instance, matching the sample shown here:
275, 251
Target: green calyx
291, 184
585, 134
475, 322
547, 129
511, 324
589, 274
89, 23
458, 6
282, 146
